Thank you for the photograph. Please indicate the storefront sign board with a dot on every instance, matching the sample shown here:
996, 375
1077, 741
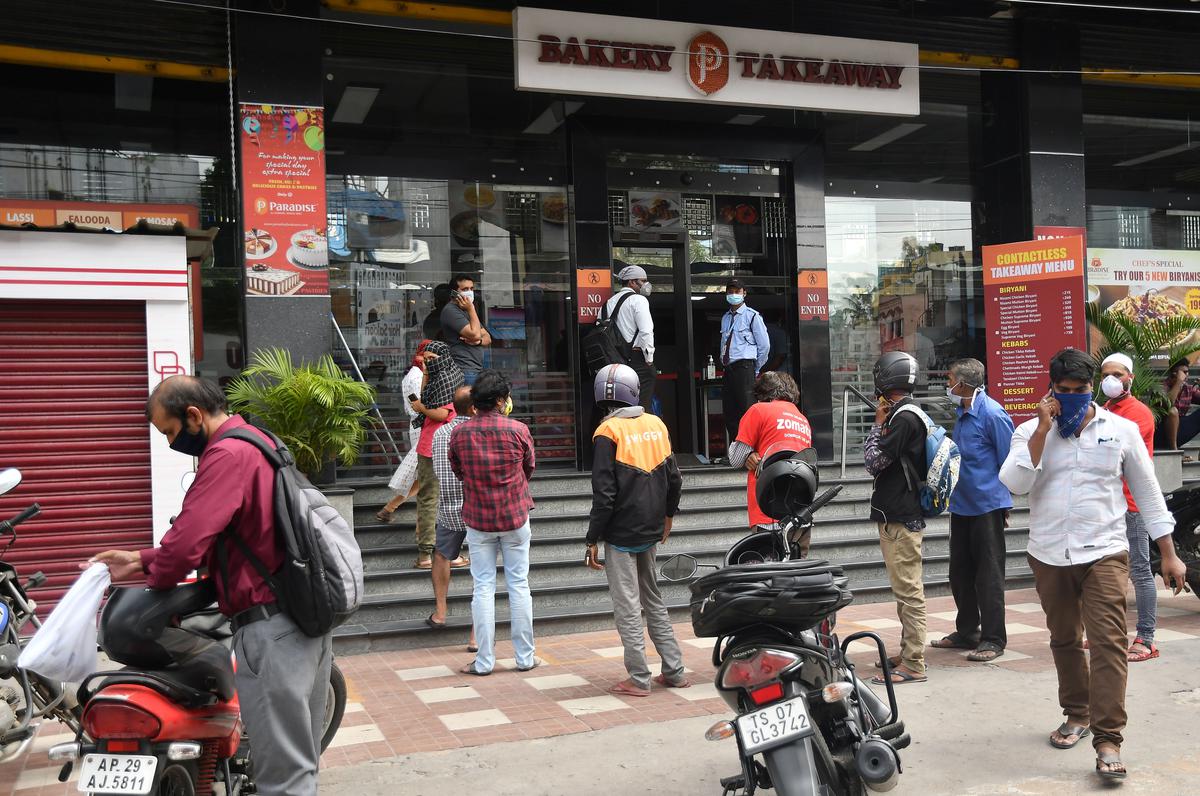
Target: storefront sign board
1144, 284
94, 215
813, 290
594, 288
574, 53
1033, 294
283, 200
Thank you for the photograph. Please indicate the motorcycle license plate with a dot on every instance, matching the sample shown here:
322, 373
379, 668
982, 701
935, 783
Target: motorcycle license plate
132, 774
774, 725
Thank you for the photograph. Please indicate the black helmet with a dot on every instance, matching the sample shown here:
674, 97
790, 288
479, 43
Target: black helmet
895, 371
787, 483
135, 624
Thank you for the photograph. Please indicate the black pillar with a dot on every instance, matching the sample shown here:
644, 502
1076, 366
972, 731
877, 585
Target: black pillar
1029, 167
813, 362
278, 61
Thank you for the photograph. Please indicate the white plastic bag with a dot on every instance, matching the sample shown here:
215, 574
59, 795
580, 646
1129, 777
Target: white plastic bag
64, 648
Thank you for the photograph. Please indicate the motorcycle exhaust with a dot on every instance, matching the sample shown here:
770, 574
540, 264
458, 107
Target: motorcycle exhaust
878, 764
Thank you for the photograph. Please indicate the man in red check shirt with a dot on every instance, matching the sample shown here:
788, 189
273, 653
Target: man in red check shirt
283, 674
492, 455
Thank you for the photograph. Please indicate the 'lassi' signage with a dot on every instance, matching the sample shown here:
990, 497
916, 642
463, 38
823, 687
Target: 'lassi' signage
568, 52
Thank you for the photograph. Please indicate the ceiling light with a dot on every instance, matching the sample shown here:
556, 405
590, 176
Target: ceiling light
746, 119
355, 104
887, 137
1162, 153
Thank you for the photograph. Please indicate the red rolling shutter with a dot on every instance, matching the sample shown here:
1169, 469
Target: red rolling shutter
73, 389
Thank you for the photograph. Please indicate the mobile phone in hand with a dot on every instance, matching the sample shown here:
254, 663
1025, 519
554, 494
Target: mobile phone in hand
412, 396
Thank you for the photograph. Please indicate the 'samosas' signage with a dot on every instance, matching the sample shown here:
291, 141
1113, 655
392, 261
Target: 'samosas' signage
563, 51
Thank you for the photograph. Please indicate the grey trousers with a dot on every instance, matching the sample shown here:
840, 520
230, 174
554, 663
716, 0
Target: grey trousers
282, 683
633, 584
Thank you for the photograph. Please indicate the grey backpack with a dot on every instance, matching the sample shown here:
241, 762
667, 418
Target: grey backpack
320, 583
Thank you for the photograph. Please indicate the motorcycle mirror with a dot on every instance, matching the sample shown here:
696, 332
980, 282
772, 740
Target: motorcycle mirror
680, 567
9, 479
808, 456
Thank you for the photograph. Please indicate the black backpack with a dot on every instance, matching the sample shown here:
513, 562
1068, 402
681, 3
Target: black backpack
603, 344
320, 584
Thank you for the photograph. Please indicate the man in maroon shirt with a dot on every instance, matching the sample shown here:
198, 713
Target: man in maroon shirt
282, 674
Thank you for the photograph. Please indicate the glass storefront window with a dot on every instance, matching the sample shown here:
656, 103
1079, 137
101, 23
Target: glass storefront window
902, 277
394, 245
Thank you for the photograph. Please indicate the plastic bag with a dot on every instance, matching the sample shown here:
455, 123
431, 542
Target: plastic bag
64, 648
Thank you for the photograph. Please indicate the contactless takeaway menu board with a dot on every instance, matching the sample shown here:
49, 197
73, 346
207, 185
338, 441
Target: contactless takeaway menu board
1034, 307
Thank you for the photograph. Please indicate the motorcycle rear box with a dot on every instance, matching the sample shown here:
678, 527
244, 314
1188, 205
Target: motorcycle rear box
793, 595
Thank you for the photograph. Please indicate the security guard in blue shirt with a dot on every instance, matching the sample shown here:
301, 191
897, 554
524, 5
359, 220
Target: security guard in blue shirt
745, 347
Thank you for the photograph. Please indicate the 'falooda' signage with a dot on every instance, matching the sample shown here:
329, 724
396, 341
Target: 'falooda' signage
563, 51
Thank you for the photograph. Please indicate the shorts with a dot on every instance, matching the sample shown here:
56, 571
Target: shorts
449, 542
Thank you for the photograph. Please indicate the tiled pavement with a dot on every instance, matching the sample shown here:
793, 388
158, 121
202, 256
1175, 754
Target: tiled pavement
415, 701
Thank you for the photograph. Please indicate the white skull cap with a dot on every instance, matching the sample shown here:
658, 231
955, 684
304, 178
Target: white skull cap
1121, 359
631, 272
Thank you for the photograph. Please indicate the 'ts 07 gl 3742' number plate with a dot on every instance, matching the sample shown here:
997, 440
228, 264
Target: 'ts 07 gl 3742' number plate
774, 725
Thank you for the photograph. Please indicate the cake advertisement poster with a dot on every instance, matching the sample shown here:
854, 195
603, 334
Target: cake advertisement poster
1144, 285
283, 190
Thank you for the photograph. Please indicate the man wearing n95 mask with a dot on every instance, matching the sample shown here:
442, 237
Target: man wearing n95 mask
1117, 373
636, 326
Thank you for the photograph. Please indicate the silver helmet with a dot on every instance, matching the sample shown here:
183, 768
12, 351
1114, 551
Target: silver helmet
618, 384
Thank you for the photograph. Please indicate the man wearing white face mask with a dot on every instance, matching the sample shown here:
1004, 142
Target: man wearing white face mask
745, 348
978, 514
1117, 370
635, 325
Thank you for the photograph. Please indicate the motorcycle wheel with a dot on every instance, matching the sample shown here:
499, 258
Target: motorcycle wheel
830, 778
177, 781
335, 705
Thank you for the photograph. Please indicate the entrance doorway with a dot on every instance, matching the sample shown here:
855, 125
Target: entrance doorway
694, 224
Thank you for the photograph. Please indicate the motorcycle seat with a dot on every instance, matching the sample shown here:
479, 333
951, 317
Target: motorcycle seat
202, 681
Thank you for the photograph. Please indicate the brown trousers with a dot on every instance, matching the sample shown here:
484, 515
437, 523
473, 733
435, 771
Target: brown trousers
1088, 598
902, 556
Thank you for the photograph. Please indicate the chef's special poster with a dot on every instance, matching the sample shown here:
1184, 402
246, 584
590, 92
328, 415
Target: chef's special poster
283, 189
1144, 285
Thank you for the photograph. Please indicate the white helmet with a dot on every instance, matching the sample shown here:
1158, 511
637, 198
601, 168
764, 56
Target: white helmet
618, 384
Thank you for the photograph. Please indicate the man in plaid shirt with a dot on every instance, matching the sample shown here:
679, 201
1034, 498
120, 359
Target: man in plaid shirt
451, 530
493, 457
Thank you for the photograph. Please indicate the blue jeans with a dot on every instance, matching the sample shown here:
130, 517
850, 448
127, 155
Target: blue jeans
1144, 590
513, 547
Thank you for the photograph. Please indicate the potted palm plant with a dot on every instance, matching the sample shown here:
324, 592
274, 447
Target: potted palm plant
1167, 340
318, 411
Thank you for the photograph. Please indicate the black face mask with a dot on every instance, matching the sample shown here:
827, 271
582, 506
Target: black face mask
190, 443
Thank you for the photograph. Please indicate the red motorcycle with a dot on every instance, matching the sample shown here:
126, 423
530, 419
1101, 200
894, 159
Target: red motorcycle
169, 723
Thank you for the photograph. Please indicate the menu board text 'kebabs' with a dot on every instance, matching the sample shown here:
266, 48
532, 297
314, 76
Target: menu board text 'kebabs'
1034, 299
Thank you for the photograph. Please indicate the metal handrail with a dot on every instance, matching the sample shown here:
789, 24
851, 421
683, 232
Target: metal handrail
374, 404
846, 393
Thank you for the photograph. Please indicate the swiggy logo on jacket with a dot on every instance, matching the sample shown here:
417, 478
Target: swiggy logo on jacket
642, 442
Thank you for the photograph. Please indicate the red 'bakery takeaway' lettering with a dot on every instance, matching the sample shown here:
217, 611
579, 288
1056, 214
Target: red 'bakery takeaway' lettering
606, 54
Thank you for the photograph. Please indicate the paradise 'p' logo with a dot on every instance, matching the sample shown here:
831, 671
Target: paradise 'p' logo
708, 63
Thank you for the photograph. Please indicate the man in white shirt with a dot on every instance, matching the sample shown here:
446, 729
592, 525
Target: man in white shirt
1070, 460
636, 326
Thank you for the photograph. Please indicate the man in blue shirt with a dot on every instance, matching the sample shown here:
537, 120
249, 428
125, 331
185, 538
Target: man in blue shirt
978, 515
745, 347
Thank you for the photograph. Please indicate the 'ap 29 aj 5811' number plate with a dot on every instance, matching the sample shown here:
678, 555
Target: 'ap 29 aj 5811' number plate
774, 725
133, 774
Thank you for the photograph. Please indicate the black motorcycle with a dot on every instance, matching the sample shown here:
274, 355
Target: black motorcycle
819, 730
1184, 505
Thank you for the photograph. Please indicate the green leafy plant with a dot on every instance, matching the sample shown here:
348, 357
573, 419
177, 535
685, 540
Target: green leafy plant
1173, 338
318, 411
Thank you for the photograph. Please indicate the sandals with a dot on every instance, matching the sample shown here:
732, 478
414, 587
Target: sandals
384, 516
899, 677
536, 663
1111, 760
429, 620
1068, 731
986, 652
665, 683
1148, 651
953, 642
423, 563
460, 562
626, 688
893, 662
470, 669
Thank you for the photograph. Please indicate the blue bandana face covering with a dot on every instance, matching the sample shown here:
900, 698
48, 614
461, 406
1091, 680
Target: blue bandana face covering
1074, 411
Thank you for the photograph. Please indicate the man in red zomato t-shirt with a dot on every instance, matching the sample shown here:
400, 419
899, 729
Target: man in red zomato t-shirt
1117, 371
773, 423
